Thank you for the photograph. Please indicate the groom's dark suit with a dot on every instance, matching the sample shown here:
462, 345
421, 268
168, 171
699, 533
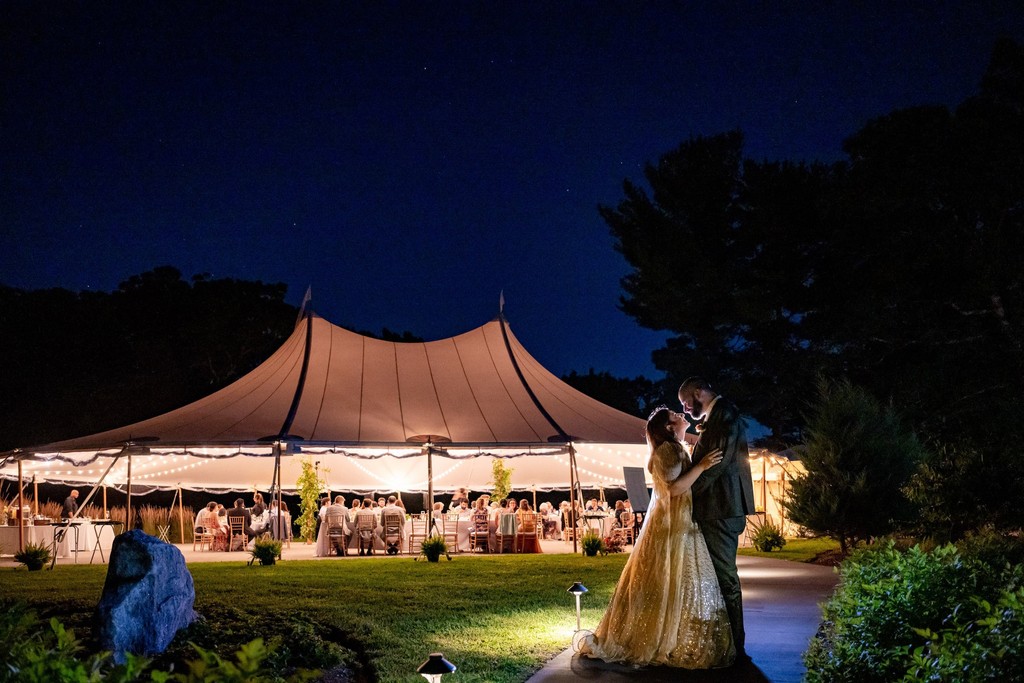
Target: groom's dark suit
722, 497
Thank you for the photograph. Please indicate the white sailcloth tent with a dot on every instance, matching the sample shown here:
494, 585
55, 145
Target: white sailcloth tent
369, 414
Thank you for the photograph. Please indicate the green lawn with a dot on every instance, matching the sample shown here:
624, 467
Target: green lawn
797, 549
496, 618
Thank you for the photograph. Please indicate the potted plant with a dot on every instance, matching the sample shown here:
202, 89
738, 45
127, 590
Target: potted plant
34, 556
266, 550
766, 536
433, 548
591, 543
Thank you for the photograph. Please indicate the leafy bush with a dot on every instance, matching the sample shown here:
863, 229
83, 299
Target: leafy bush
890, 603
988, 648
34, 556
591, 543
612, 544
266, 550
433, 547
34, 651
767, 536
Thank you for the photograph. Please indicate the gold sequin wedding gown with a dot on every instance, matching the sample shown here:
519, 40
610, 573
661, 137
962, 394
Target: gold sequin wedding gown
667, 608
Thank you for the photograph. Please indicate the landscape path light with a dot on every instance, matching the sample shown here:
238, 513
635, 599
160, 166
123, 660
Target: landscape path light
577, 589
435, 667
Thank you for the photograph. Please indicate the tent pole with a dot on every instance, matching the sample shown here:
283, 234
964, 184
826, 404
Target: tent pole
572, 495
764, 484
21, 510
430, 480
128, 512
35, 494
106, 515
181, 516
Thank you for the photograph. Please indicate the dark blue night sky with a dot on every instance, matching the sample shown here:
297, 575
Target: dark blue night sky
411, 160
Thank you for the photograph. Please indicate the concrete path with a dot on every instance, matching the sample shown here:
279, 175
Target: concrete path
781, 613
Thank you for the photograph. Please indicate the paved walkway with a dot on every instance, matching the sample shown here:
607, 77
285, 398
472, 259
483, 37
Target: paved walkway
780, 612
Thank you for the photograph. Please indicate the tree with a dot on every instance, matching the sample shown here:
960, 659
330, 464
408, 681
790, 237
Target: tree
859, 457
635, 396
958, 489
75, 364
902, 268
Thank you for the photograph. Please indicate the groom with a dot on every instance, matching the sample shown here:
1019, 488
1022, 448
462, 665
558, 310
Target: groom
722, 495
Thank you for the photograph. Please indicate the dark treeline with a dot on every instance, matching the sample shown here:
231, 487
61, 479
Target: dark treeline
900, 269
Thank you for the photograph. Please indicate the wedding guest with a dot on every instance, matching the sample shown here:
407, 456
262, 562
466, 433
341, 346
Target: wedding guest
71, 505
461, 494
322, 542
391, 508
366, 527
526, 521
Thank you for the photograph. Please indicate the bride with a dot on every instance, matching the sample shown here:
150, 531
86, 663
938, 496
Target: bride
667, 608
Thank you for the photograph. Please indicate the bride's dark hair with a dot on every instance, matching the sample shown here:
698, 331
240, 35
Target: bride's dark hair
657, 430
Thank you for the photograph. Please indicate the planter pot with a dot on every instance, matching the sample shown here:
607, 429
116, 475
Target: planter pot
433, 557
34, 566
590, 553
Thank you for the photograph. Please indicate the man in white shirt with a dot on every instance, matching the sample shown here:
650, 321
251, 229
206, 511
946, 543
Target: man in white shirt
391, 510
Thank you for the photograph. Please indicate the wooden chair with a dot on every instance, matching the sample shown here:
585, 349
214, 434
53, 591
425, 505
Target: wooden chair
450, 531
417, 533
479, 533
627, 527
526, 531
236, 533
506, 531
337, 533
202, 535
366, 524
393, 524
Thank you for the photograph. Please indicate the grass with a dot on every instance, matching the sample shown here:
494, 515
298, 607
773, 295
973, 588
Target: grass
496, 618
797, 549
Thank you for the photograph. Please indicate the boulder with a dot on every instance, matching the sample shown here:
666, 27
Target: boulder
147, 597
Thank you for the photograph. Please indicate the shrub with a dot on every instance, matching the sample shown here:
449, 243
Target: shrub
591, 543
886, 601
767, 536
612, 544
988, 648
266, 550
434, 547
34, 651
34, 556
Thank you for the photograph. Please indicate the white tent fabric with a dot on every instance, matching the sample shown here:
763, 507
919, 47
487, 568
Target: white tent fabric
362, 409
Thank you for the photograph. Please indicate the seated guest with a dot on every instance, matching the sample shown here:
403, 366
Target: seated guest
526, 521
280, 520
240, 511
341, 512
620, 507
366, 527
322, 545
392, 509
257, 504
260, 515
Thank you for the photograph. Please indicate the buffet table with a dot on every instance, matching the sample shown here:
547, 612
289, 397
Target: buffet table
78, 537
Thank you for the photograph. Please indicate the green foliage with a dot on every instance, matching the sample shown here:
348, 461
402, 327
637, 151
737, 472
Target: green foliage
309, 486
266, 550
890, 603
433, 547
767, 536
34, 651
34, 556
248, 665
858, 457
987, 648
501, 480
591, 543
847, 269
156, 343
960, 488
